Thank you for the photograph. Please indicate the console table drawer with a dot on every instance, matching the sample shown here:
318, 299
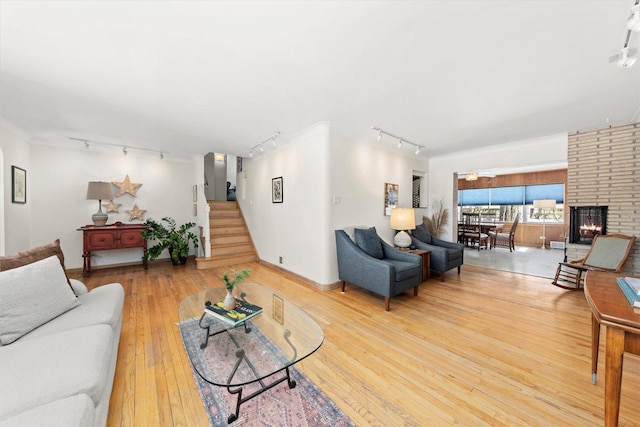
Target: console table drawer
97, 241
130, 239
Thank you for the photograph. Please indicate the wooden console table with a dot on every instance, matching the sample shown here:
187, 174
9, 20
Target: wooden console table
610, 307
108, 237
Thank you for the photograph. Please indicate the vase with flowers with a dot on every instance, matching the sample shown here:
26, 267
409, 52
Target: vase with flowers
231, 282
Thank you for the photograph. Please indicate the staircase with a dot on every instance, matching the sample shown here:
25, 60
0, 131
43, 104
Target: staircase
230, 240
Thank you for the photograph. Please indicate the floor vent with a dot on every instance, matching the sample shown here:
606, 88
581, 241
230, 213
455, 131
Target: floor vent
556, 245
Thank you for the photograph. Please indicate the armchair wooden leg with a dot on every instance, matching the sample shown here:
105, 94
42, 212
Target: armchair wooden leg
343, 286
442, 276
387, 301
458, 269
415, 291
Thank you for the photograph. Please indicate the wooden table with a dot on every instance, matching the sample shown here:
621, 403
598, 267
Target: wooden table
426, 262
610, 307
108, 237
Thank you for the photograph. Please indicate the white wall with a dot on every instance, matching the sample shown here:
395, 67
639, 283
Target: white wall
538, 152
58, 187
16, 227
295, 229
317, 167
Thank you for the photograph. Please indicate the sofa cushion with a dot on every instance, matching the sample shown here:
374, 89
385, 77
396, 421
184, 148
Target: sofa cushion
422, 234
74, 411
368, 241
55, 367
32, 255
101, 306
32, 295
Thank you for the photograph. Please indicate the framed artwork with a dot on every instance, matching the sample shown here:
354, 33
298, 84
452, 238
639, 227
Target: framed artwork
276, 190
390, 197
278, 309
18, 185
195, 209
195, 193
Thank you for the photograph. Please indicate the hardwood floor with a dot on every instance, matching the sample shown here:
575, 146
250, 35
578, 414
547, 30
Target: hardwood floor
483, 348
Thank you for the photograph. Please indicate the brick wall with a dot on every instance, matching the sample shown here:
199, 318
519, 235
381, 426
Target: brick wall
604, 170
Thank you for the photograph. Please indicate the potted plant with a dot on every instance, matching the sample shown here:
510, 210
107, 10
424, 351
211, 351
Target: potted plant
230, 283
169, 236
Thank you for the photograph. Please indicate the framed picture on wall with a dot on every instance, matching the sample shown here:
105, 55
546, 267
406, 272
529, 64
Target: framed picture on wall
18, 185
276, 190
390, 197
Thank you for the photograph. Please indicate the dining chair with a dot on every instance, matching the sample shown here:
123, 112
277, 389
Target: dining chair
472, 231
504, 238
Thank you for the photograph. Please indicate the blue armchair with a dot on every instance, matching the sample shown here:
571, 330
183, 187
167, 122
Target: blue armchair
372, 264
444, 255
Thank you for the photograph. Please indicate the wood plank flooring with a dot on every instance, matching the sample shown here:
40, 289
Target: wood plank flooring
486, 348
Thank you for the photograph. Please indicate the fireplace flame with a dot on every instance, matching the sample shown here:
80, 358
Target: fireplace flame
590, 230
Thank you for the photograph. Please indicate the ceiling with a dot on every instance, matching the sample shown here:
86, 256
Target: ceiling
189, 78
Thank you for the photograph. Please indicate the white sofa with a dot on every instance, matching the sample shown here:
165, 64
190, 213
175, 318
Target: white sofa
61, 372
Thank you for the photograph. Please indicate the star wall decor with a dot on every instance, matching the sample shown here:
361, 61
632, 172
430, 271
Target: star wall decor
127, 186
112, 207
135, 213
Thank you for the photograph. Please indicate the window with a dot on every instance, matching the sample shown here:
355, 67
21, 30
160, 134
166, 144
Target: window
507, 202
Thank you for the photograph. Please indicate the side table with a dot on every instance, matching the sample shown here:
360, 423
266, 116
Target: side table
108, 237
426, 262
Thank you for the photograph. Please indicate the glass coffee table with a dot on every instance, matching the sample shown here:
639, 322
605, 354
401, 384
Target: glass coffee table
251, 356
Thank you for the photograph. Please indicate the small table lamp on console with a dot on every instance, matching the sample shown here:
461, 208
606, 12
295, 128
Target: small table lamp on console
402, 219
99, 191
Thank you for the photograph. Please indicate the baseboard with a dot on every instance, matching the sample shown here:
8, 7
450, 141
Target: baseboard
300, 278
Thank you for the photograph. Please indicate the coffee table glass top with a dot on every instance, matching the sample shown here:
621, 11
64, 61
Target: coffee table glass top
235, 355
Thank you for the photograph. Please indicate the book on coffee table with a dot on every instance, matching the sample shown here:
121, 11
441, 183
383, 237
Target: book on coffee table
243, 311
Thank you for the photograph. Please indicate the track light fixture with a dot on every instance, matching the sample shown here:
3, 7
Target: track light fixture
401, 140
260, 145
625, 58
633, 23
125, 148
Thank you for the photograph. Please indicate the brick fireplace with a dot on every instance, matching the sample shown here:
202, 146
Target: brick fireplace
604, 171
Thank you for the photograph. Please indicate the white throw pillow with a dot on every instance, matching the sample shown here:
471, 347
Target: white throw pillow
31, 296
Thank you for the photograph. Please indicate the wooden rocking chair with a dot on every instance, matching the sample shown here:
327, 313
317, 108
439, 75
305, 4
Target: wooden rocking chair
607, 253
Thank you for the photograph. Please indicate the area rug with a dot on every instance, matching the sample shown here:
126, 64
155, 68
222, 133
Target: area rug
304, 405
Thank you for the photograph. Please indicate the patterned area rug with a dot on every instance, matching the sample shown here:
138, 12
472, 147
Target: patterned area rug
304, 405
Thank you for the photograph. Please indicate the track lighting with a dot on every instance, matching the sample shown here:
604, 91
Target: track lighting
260, 145
625, 60
401, 141
633, 23
125, 148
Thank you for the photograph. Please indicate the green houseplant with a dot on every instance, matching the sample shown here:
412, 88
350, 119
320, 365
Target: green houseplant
230, 283
168, 235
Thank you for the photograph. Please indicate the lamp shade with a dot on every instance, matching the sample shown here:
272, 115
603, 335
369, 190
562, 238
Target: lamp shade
98, 190
544, 204
402, 219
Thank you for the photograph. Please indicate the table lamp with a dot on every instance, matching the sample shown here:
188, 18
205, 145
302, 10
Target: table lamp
544, 204
402, 219
99, 191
